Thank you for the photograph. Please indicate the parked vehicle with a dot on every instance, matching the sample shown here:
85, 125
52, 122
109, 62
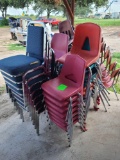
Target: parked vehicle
107, 16
52, 21
99, 16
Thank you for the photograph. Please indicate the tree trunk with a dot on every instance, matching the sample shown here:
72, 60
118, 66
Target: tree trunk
5, 12
2, 13
48, 13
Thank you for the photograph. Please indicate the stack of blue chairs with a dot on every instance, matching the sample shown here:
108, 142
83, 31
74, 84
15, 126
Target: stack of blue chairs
13, 68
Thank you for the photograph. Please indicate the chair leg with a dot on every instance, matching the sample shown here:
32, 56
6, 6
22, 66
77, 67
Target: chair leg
95, 93
103, 102
22, 116
115, 92
100, 83
37, 124
69, 120
105, 97
106, 94
7, 90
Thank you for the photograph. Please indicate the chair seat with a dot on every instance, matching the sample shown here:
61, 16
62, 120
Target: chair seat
108, 84
88, 58
51, 87
18, 64
59, 54
62, 59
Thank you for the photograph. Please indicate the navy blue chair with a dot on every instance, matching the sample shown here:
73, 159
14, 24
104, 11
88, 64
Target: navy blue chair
13, 68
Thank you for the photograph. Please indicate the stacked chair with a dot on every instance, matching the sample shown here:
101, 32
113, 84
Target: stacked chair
66, 28
109, 77
13, 23
109, 73
13, 68
63, 95
21, 32
87, 47
59, 47
59, 82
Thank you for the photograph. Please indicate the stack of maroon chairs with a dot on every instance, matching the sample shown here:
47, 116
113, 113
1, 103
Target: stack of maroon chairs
63, 95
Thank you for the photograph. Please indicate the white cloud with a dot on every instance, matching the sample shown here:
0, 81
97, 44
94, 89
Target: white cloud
13, 11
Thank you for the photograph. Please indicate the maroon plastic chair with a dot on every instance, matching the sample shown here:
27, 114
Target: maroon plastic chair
63, 95
32, 81
66, 28
112, 81
59, 47
59, 44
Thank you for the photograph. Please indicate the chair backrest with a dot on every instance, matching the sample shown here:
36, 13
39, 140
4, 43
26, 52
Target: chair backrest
102, 51
107, 53
112, 66
74, 69
115, 75
66, 28
35, 41
108, 61
87, 39
59, 44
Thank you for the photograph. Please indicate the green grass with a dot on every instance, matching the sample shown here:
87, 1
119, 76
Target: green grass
116, 58
16, 47
4, 26
101, 22
2, 89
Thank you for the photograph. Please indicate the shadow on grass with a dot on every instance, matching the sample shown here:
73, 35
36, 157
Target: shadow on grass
16, 47
2, 89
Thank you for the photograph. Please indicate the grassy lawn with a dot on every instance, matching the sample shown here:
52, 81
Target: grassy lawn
16, 47
101, 22
116, 58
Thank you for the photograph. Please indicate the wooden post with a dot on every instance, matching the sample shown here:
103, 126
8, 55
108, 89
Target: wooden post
70, 10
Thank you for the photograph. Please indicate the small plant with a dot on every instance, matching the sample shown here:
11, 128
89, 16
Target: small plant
116, 58
2, 89
4, 22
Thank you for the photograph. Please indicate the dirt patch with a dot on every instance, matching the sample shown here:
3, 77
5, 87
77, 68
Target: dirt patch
6, 107
112, 37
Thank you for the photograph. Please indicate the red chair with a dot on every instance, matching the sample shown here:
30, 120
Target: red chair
112, 81
86, 43
106, 60
107, 73
63, 95
102, 51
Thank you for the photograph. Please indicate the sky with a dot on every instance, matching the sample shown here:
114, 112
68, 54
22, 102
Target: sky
115, 7
13, 11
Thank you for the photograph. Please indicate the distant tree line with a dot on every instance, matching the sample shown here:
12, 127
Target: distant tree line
50, 5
